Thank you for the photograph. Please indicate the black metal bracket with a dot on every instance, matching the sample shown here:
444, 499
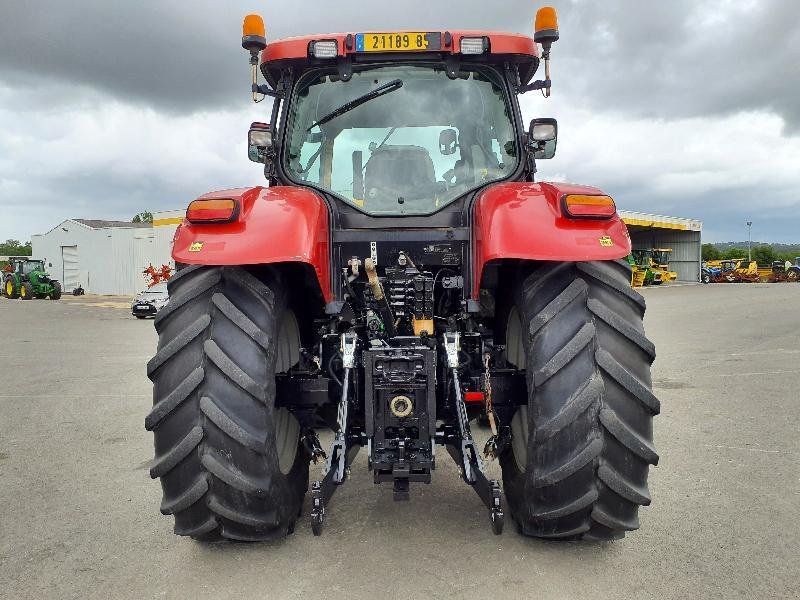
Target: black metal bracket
266, 90
343, 449
461, 446
488, 490
322, 490
540, 84
345, 68
452, 66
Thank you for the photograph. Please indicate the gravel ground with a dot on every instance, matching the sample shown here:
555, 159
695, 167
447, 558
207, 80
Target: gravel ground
81, 520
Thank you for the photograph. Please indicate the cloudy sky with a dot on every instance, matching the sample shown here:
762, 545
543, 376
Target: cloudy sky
683, 108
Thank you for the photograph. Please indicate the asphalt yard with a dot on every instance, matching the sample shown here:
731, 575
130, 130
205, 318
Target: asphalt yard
80, 513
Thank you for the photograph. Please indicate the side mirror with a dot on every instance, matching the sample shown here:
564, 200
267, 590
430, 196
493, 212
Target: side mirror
448, 141
542, 137
259, 142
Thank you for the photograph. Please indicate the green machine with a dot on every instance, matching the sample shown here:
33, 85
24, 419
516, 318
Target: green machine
26, 278
643, 259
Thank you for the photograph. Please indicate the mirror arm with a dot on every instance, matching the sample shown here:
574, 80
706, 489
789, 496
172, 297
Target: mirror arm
530, 152
269, 164
540, 84
266, 90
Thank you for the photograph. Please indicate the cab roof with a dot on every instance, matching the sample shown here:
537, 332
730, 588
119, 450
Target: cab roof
501, 45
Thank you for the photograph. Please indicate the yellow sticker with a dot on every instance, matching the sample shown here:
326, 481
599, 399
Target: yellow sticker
196, 247
606, 241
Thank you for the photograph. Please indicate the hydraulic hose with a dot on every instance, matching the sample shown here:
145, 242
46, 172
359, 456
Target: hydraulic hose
377, 291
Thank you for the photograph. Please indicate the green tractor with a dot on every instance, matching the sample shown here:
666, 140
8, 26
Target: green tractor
26, 278
643, 259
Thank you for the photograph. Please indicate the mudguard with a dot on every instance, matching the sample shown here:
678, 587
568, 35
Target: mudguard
525, 221
275, 225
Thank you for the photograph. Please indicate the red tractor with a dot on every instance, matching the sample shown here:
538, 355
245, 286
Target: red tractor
401, 275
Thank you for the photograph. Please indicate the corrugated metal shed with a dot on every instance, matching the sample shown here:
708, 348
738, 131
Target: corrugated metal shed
682, 235
105, 257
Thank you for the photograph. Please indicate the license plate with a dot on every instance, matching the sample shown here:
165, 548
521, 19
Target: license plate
143, 306
403, 41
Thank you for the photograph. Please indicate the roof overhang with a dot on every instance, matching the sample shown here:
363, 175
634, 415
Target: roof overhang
520, 48
648, 221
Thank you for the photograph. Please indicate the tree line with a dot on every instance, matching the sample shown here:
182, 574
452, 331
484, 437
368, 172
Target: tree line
763, 254
14, 248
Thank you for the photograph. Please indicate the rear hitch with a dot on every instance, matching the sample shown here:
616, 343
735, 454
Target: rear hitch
342, 451
461, 446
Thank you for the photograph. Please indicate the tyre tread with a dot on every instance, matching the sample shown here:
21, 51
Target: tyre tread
220, 476
590, 441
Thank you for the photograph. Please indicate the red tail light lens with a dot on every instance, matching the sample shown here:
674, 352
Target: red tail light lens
212, 211
580, 206
473, 397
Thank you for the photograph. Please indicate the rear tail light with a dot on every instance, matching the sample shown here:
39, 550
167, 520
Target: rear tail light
212, 211
580, 206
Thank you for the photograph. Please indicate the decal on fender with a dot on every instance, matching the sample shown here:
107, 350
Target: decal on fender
195, 246
606, 241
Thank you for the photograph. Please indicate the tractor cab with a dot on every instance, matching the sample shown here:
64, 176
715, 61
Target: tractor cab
26, 266
729, 265
399, 124
661, 256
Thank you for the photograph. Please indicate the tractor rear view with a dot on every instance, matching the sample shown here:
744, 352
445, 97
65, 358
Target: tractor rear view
402, 275
26, 278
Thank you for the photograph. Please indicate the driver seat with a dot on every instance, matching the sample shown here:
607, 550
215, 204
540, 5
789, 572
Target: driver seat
394, 172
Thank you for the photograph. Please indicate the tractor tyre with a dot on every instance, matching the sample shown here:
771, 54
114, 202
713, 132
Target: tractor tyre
9, 289
792, 275
231, 464
582, 446
26, 291
56, 293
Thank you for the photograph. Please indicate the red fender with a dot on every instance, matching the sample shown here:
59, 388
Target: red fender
274, 225
526, 221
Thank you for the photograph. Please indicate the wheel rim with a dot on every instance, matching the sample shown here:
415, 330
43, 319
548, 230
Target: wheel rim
9, 288
22, 292
287, 429
515, 354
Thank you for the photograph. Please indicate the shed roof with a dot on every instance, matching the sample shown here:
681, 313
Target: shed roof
100, 224
638, 219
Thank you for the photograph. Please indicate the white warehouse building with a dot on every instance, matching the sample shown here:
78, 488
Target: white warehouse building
108, 257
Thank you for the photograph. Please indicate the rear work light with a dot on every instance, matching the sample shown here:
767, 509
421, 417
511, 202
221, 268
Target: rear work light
474, 45
324, 49
580, 206
212, 211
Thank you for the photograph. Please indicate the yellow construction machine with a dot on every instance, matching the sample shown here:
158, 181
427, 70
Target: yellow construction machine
660, 261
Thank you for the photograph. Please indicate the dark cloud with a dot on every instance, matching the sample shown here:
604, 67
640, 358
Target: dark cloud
678, 58
109, 108
183, 56
684, 58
